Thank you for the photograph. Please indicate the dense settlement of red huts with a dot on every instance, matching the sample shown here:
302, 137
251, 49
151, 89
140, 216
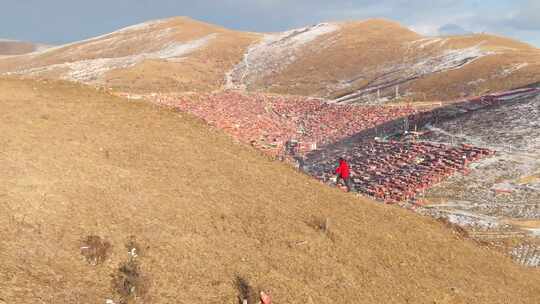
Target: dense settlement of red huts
387, 170
268, 121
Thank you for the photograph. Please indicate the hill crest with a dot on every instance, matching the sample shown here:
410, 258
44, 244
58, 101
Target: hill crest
9, 47
353, 61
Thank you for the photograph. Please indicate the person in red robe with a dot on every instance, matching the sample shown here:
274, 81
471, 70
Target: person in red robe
343, 173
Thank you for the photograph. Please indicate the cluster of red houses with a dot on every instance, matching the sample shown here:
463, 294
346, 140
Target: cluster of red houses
268, 122
398, 171
392, 171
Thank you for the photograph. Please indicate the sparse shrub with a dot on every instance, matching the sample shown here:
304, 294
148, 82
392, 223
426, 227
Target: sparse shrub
95, 250
133, 248
320, 224
128, 282
460, 231
245, 291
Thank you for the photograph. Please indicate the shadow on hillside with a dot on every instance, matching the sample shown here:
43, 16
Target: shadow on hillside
417, 121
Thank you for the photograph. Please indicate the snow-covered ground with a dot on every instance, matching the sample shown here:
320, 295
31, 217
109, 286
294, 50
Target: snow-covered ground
91, 70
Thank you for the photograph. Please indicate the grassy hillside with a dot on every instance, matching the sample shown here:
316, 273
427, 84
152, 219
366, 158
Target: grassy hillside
204, 214
354, 61
381, 54
176, 54
10, 47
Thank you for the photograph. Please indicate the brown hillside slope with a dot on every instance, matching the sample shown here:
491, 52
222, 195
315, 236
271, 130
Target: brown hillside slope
176, 54
8, 47
13, 47
380, 54
513, 64
76, 162
347, 60
351, 52
202, 70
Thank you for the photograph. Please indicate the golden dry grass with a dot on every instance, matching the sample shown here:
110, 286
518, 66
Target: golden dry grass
202, 71
204, 212
357, 50
533, 224
15, 47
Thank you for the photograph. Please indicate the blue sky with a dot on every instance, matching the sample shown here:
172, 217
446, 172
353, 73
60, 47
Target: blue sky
61, 21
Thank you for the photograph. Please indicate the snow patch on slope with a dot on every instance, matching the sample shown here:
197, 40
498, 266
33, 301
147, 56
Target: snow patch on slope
527, 255
402, 73
42, 47
274, 53
92, 70
425, 42
449, 60
513, 68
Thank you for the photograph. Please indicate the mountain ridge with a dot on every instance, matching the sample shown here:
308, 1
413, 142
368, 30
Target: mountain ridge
10, 47
374, 60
